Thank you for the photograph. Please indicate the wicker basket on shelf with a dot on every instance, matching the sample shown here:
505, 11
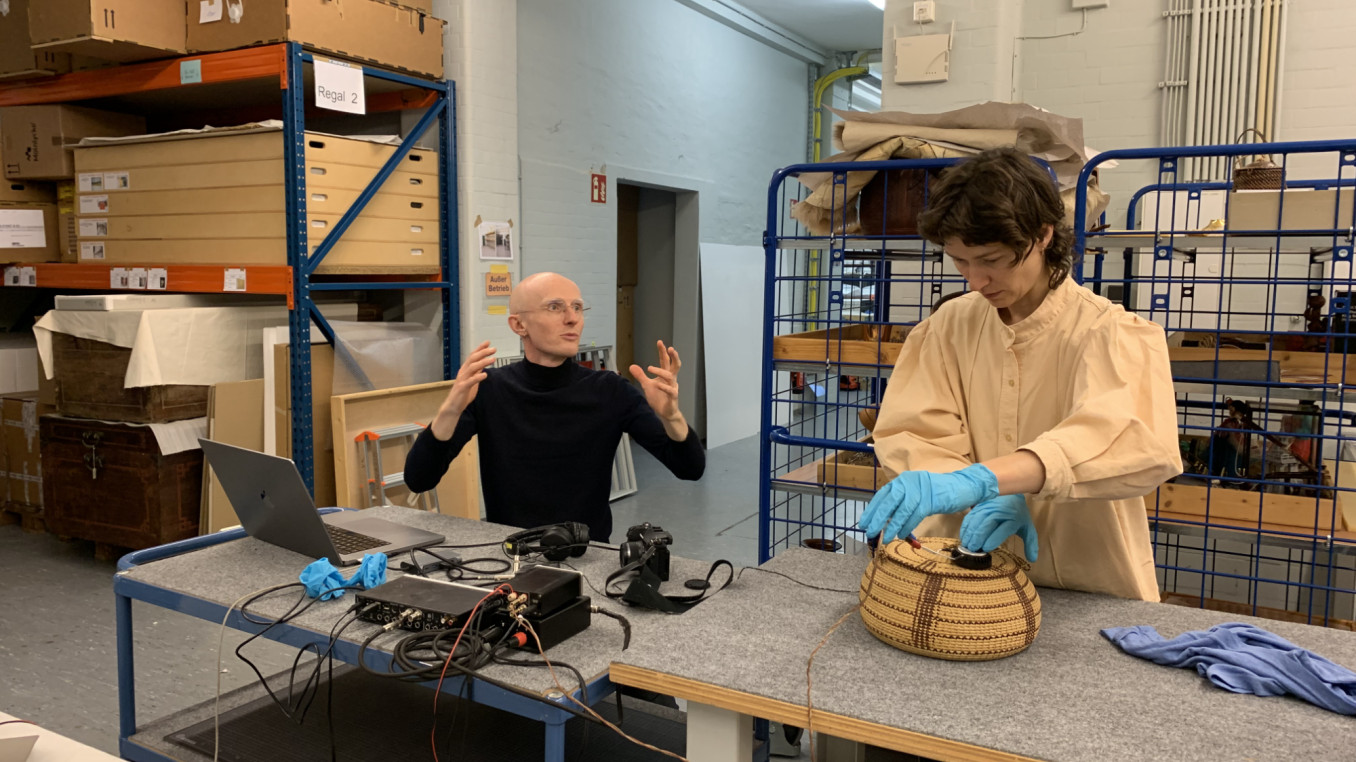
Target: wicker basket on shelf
1261, 173
920, 602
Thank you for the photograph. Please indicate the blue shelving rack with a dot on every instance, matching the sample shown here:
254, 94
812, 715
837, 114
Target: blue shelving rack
285, 63
1252, 279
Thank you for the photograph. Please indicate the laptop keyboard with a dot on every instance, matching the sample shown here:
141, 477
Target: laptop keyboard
347, 542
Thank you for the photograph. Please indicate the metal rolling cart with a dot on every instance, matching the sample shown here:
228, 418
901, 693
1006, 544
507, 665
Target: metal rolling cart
836, 306
1251, 277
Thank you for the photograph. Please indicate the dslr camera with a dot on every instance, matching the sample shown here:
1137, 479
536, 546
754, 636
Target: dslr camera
651, 543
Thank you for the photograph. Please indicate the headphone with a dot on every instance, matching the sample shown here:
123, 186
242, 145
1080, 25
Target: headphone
556, 542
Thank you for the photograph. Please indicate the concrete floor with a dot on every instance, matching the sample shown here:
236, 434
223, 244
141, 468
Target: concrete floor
57, 644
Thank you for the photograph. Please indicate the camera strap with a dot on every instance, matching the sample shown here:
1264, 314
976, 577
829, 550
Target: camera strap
643, 590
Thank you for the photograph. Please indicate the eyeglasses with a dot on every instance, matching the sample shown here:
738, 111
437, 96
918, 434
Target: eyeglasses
558, 307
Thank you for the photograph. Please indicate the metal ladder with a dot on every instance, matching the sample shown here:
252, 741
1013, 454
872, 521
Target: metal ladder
378, 481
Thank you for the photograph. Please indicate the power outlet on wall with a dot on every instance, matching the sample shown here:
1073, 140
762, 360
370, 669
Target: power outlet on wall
924, 11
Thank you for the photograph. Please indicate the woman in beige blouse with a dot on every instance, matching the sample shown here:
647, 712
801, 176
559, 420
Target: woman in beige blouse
1045, 410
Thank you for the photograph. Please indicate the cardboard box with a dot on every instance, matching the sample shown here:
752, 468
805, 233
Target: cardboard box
37, 140
217, 198
28, 232
17, 58
381, 33
27, 192
19, 415
1305, 209
112, 30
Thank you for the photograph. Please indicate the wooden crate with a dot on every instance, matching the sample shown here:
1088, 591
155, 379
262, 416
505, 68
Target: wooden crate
90, 377
1240, 508
840, 470
1296, 367
853, 344
138, 498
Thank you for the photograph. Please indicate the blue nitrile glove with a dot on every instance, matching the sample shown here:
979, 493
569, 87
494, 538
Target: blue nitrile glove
324, 581
899, 506
321, 578
991, 522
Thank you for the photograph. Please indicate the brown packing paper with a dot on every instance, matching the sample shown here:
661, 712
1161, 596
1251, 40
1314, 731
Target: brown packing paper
953, 134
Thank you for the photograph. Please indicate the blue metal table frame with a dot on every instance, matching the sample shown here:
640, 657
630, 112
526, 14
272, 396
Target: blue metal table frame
127, 590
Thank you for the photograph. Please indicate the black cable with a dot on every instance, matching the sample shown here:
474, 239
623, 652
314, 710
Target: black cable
26, 722
463, 547
300, 607
578, 676
587, 581
427, 672
625, 624
793, 579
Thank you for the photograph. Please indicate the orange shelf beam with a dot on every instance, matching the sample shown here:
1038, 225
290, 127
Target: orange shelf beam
201, 279
230, 66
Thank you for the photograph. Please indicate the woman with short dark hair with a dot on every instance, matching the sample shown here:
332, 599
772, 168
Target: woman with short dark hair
1030, 406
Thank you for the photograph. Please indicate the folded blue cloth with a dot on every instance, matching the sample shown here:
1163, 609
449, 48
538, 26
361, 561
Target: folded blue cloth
324, 581
1245, 659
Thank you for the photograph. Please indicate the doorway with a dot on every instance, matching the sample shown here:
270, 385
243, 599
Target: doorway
658, 286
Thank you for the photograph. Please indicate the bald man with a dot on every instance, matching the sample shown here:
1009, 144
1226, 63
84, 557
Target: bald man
549, 427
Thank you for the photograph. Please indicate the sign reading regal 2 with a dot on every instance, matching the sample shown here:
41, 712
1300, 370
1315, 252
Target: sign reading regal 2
598, 189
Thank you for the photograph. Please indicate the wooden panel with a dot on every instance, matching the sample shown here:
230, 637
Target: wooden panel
235, 416
352, 414
322, 444
794, 714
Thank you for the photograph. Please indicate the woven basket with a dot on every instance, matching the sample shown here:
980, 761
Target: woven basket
922, 603
1260, 174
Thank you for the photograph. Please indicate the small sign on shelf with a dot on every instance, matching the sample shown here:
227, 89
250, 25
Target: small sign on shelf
339, 86
21, 276
234, 280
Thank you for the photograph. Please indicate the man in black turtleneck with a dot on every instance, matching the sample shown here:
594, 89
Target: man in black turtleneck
548, 428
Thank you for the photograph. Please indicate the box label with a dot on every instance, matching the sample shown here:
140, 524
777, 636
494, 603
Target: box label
117, 278
92, 250
157, 279
22, 229
339, 87
94, 227
116, 181
209, 11
21, 276
90, 182
234, 279
136, 277
94, 204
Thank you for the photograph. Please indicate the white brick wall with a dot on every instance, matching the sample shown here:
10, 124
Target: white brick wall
481, 57
658, 94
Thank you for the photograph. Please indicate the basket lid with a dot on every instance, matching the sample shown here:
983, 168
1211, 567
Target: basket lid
927, 559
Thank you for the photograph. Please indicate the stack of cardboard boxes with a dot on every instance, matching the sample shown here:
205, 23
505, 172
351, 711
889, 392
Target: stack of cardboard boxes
44, 37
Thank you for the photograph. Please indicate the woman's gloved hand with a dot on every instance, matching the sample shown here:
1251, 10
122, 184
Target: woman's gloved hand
901, 505
993, 521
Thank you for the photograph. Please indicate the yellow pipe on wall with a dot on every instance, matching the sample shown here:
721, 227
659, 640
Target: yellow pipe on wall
816, 129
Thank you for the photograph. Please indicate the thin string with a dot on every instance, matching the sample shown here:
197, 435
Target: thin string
809, 665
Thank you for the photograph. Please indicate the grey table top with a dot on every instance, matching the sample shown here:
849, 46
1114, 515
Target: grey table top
223, 573
1071, 696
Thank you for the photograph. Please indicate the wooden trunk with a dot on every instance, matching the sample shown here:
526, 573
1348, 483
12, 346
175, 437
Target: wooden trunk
109, 483
891, 201
90, 375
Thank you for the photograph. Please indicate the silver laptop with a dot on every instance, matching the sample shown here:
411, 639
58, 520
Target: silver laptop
16, 749
273, 505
